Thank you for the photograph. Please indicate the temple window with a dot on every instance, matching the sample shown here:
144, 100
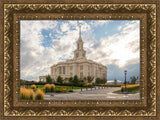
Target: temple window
77, 55
63, 69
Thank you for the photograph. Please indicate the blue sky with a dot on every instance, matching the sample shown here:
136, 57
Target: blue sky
114, 43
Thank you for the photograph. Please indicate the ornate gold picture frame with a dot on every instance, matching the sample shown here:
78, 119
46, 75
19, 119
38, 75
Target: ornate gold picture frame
148, 12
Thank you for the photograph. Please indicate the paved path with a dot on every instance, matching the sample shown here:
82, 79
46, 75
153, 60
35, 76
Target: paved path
94, 94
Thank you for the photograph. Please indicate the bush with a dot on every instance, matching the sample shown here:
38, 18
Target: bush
100, 81
75, 80
130, 88
59, 80
61, 89
48, 79
39, 95
81, 84
33, 86
26, 94
111, 85
52, 87
88, 85
47, 88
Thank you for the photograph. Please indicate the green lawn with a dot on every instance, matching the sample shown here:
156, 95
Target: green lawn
133, 91
69, 87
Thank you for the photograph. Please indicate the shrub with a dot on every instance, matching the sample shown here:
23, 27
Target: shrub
60, 80
130, 88
39, 95
100, 81
88, 84
47, 88
33, 86
52, 87
75, 80
26, 94
90, 79
81, 84
48, 79
61, 89
112, 85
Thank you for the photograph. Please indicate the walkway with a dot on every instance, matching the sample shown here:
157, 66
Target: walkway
94, 94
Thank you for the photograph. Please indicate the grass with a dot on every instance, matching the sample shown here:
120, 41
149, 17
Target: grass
26, 94
39, 95
130, 89
69, 87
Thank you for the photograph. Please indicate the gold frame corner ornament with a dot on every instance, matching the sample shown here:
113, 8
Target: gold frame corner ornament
13, 13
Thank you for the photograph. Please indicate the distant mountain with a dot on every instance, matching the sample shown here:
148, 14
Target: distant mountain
112, 81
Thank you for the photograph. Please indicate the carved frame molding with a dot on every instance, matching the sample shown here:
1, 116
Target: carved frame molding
13, 13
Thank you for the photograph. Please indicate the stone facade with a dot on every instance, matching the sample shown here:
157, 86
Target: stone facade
79, 65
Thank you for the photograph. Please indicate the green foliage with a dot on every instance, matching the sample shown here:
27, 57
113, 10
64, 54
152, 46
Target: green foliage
90, 79
71, 80
49, 79
61, 89
100, 81
115, 81
133, 79
75, 80
60, 80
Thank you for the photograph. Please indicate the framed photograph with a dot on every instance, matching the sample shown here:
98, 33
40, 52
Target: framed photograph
79, 59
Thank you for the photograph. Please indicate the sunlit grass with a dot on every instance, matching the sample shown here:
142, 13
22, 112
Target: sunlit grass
130, 88
26, 94
39, 95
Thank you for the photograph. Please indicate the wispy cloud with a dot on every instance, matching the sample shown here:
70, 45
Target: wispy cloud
120, 49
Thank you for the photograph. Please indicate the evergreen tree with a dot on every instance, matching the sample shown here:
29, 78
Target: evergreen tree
48, 79
60, 80
75, 80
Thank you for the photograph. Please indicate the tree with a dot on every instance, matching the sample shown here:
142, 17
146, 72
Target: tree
48, 79
98, 81
104, 81
71, 80
90, 79
75, 80
101, 81
133, 79
115, 81
60, 80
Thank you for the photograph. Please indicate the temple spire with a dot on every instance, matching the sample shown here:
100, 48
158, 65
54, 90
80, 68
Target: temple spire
80, 31
79, 52
80, 39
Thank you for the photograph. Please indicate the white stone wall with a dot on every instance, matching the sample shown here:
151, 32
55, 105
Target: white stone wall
71, 69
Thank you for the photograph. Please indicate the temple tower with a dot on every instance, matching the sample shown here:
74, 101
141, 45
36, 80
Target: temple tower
79, 52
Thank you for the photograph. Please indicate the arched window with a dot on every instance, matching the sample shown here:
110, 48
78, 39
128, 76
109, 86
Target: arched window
77, 55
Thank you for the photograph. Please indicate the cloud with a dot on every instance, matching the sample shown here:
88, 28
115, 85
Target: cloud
65, 27
120, 49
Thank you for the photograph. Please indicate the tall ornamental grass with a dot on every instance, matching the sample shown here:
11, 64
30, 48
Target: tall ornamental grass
26, 94
130, 88
88, 85
39, 95
33, 86
52, 87
47, 88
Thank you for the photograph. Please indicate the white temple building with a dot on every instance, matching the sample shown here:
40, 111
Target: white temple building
79, 65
